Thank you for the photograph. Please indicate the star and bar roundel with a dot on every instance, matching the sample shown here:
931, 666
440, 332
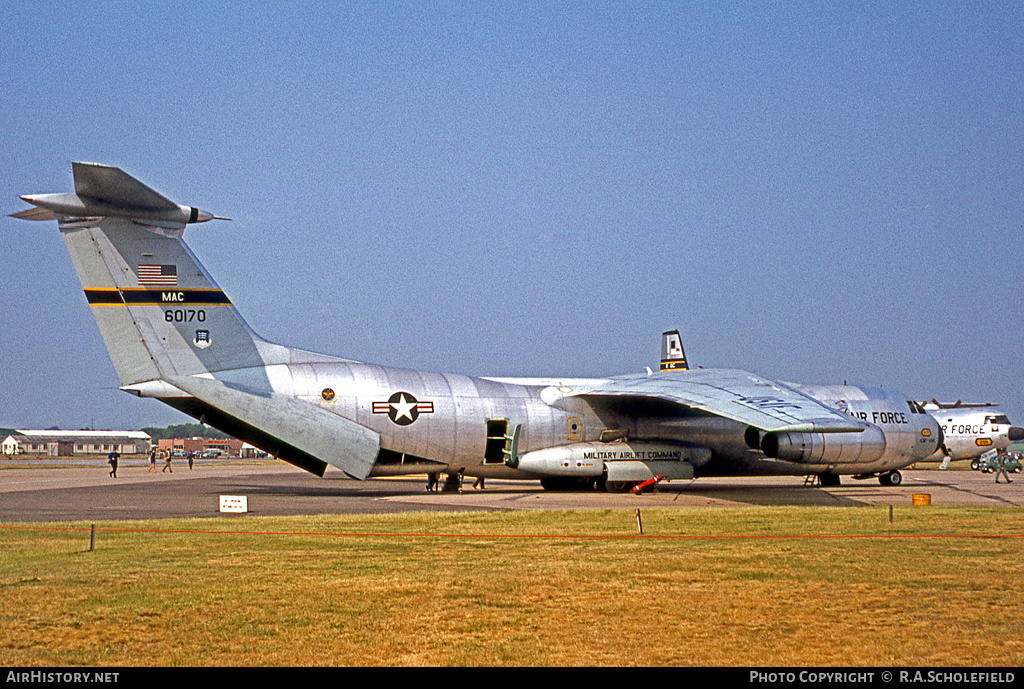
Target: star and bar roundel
403, 408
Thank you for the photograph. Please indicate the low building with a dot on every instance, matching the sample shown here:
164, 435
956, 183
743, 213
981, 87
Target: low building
228, 447
71, 443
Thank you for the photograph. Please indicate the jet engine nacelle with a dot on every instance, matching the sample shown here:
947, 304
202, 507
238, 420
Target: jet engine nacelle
826, 448
588, 459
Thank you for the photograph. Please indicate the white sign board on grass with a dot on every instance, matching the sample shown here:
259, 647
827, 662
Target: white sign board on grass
234, 503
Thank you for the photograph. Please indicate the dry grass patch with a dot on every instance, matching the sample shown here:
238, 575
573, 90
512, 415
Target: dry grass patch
780, 587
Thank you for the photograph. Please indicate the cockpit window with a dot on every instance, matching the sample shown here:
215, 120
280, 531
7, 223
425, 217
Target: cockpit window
1000, 419
915, 408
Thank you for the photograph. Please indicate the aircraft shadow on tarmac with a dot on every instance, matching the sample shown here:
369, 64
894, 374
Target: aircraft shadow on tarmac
672, 495
758, 495
308, 492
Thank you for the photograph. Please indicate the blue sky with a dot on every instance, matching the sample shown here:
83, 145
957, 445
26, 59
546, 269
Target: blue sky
815, 192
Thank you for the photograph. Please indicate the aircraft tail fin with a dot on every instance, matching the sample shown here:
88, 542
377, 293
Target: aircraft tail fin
173, 334
673, 358
160, 313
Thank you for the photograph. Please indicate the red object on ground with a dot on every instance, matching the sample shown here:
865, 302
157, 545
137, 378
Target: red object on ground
646, 484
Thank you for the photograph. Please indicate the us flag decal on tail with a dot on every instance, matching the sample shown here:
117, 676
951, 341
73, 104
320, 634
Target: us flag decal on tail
158, 276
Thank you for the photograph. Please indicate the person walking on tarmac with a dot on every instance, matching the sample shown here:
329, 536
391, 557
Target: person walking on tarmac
167, 464
1001, 467
152, 460
112, 461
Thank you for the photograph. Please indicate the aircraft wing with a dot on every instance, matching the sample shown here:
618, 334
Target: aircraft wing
737, 395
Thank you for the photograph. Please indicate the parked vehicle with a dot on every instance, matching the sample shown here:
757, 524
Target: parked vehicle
988, 465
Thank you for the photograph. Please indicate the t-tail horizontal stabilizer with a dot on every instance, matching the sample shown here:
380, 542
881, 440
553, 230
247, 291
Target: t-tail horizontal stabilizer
104, 191
295, 431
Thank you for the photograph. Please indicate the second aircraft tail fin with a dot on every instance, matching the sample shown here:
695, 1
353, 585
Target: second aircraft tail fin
673, 358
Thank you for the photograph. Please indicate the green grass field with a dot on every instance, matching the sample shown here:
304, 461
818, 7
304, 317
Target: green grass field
734, 587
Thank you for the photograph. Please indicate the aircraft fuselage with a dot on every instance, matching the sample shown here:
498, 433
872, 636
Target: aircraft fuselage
450, 423
970, 432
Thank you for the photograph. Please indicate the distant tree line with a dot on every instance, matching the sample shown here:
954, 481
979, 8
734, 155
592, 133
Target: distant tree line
11, 431
181, 430
184, 430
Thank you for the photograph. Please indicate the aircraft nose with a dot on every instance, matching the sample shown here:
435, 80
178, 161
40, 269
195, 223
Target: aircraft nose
1015, 433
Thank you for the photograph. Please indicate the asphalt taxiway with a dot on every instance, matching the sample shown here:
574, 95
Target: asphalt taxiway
57, 490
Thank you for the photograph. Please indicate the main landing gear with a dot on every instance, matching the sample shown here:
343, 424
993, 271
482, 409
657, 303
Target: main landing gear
828, 480
892, 478
889, 478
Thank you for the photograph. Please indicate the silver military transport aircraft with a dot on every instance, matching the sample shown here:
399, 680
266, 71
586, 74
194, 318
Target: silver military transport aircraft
174, 335
970, 430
